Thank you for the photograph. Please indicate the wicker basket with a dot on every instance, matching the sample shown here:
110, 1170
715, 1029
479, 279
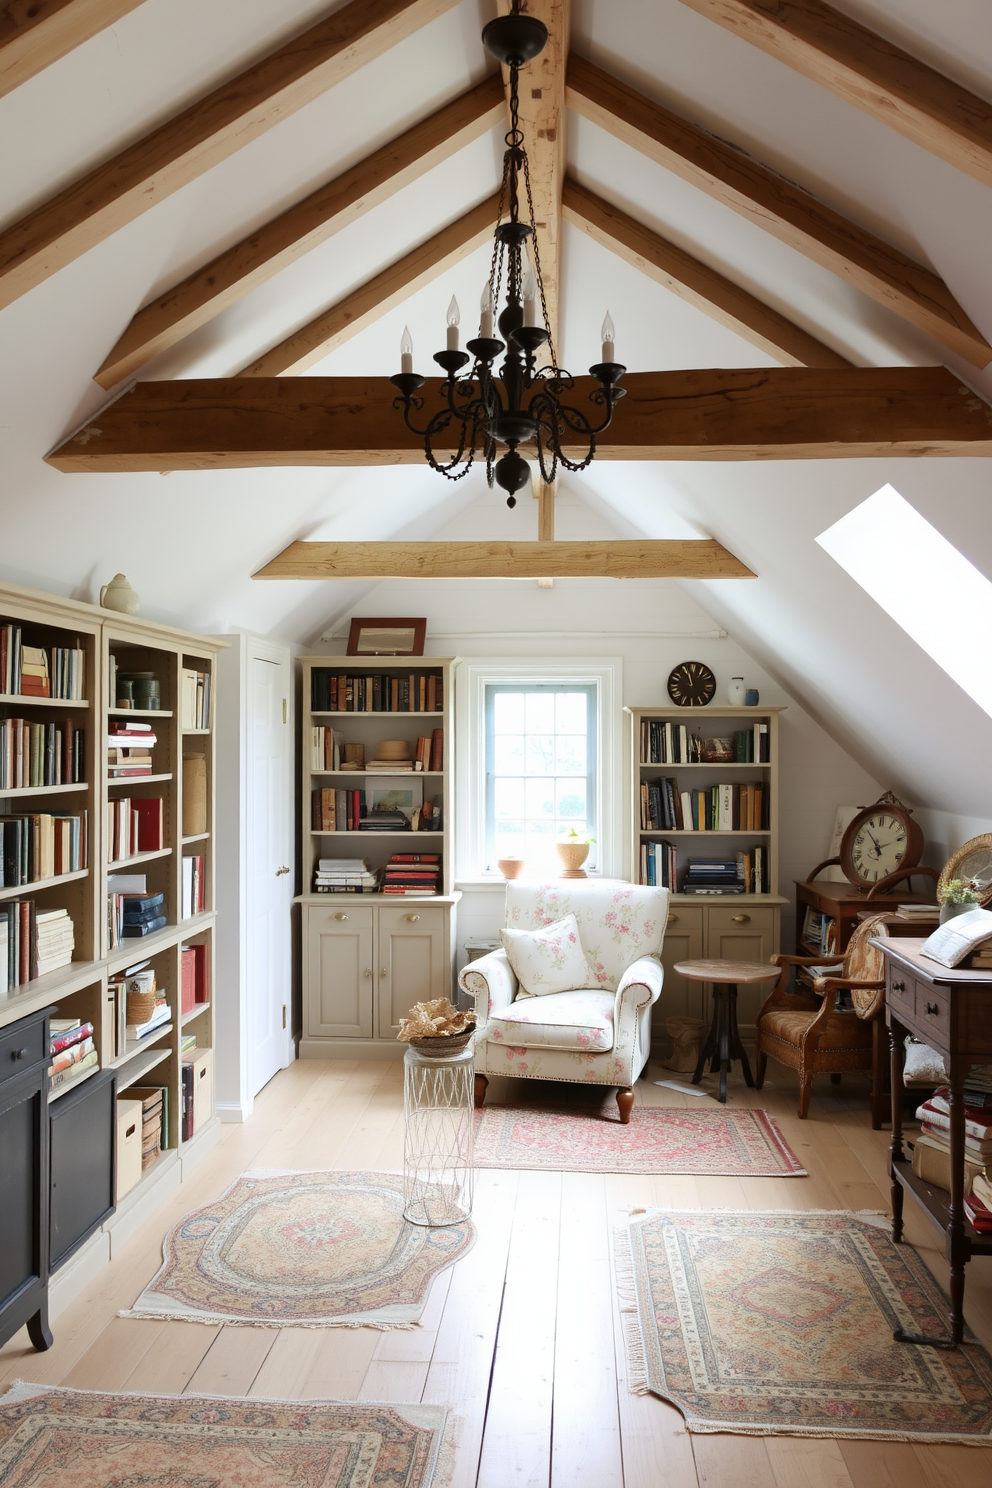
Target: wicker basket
442, 1048
140, 1006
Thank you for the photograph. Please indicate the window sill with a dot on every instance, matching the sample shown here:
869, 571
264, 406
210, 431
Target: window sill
497, 881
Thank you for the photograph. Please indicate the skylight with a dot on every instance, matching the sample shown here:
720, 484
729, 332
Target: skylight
909, 568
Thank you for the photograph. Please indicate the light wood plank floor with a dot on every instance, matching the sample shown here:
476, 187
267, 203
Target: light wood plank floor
521, 1338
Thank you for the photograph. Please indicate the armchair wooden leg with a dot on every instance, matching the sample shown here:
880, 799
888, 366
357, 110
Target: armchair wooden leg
760, 1065
805, 1091
481, 1082
625, 1104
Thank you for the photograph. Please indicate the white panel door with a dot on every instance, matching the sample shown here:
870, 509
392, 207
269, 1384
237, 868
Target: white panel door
269, 878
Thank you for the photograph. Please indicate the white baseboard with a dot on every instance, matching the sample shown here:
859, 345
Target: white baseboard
234, 1110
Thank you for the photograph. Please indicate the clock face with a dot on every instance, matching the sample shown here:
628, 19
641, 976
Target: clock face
878, 846
691, 685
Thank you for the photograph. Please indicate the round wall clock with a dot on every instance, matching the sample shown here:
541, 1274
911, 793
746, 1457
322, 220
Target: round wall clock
691, 684
880, 839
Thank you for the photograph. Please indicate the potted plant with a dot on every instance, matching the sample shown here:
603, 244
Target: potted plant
573, 851
959, 896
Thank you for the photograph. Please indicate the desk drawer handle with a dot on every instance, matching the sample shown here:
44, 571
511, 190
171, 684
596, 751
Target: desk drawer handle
412, 918
932, 1009
19, 1053
742, 919
898, 986
340, 916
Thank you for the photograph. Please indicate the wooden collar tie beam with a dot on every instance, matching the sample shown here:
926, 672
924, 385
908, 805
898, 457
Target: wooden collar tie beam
780, 413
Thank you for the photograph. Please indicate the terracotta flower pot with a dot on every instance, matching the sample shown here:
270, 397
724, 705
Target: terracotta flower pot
573, 855
510, 867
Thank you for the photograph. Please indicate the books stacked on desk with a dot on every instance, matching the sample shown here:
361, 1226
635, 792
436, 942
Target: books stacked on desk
73, 1051
37, 754
712, 876
917, 911
343, 876
129, 748
40, 845
142, 915
194, 885
412, 873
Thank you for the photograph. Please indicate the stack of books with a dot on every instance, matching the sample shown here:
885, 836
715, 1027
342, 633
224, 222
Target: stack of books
73, 1051
37, 754
712, 876
412, 873
978, 1204
917, 911
129, 748
978, 1086
981, 957
40, 845
134, 825
195, 699
56, 939
35, 680
143, 914
934, 1144
343, 876
194, 885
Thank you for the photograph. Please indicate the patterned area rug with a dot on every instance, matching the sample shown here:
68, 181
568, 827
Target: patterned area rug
311, 1249
659, 1139
781, 1323
55, 1438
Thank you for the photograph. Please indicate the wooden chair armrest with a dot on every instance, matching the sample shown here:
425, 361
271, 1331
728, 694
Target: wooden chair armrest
823, 1016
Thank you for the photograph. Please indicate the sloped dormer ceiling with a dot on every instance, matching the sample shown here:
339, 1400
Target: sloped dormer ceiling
190, 542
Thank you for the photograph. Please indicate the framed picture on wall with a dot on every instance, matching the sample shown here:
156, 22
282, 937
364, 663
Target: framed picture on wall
387, 637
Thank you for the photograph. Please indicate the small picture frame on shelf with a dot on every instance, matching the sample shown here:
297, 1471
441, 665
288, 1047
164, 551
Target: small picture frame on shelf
387, 637
391, 794
716, 751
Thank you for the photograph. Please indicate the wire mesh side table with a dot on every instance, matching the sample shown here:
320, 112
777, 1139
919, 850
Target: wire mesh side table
439, 1127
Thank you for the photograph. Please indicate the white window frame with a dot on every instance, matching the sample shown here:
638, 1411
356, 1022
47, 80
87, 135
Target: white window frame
471, 677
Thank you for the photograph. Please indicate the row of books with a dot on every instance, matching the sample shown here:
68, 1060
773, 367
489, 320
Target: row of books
33, 942
932, 1148
819, 932
40, 845
129, 749
659, 865
329, 752
135, 824
379, 692
717, 808
194, 885
412, 873
664, 742
40, 754
194, 699
744, 873
37, 671
344, 876
73, 1051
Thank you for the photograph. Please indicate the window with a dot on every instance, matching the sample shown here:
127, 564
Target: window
909, 568
540, 769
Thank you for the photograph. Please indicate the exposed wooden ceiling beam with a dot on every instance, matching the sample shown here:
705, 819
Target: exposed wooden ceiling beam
36, 33
682, 558
543, 119
869, 71
371, 300
778, 206
778, 413
210, 130
695, 282
268, 250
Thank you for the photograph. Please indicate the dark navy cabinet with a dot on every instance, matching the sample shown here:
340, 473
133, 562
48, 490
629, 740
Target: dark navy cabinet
24, 1178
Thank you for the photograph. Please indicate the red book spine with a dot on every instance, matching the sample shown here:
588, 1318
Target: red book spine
437, 750
188, 993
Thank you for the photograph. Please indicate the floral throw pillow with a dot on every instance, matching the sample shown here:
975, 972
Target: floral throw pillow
547, 960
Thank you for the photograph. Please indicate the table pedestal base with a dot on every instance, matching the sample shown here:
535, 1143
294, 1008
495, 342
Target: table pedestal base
723, 1042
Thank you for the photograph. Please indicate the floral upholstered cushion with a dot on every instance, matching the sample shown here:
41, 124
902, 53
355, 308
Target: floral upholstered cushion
618, 922
547, 960
560, 1020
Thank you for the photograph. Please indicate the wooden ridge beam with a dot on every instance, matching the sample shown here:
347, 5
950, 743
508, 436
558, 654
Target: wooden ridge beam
777, 413
271, 248
869, 71
543, 119
371, 300
771, 202
199, 137
681, 558
36, 33
696, 283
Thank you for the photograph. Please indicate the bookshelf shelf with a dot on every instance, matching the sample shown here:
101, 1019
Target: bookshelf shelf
139, 712
143, 1046
196, 1012
708, 832
44, 790
197, 837
60, 1090
144, 857
367, 713
23, 699
142, 947
375, 774
190, 733
22, 890
134, 780
704, 765
404, 836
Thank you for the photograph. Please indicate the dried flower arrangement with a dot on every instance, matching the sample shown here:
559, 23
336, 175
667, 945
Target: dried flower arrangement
435, 1019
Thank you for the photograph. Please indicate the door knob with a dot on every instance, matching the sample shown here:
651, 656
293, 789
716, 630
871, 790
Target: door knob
281, 871
412, 918
340, 916
742, 919
368, 972
384, 972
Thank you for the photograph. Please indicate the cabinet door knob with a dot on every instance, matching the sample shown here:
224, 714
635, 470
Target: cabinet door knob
384, 971
412, 918
340, 916
282, 870
673, 919
368, 972
19, 1053
742, 919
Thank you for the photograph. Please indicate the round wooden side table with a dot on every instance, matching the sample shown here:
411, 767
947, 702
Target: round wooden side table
723, 1042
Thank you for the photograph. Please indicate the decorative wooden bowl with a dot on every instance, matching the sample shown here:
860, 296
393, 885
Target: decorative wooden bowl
443, 1047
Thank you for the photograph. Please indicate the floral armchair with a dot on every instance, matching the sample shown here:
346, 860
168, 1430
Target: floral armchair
598, 1035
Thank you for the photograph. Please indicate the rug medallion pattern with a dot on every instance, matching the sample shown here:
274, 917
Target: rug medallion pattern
659, 1139
311, 1249
56, 1438
781, 1323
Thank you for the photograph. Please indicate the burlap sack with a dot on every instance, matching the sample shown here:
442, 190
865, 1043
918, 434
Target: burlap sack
686, 1035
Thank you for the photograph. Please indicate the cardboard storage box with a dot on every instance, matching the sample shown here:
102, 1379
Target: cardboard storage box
202, 1061
129, 1114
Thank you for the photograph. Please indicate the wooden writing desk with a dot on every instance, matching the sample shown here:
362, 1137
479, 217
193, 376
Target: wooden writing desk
952, 1012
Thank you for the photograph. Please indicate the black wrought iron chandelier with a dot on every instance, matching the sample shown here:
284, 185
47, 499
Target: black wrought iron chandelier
522, 404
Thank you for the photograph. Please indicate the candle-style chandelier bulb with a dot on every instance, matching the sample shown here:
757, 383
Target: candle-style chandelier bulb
406, 342
454, 314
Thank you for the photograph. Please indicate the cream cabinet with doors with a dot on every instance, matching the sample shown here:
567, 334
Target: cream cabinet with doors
366, 961
729, 931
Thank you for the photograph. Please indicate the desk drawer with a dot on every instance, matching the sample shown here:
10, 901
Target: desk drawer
901, 994
22, 1046
933, 1011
